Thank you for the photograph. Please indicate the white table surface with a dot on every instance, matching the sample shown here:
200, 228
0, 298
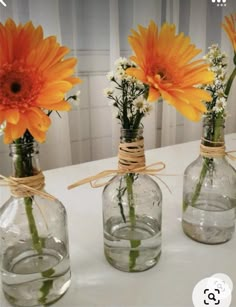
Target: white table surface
183, 262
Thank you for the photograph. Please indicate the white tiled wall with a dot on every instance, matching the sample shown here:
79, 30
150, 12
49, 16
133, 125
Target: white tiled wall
91, 123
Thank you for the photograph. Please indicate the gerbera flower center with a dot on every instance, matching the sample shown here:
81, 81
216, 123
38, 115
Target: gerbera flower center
167, 72
19, 86
15, 87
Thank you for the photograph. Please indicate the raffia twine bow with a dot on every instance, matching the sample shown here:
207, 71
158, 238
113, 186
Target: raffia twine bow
26, 186
216, 152
131, 160
148, 170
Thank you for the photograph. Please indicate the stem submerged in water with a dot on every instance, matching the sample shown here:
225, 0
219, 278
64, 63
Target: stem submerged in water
37, 242
133, 254
23, 167
202, 176
215, 139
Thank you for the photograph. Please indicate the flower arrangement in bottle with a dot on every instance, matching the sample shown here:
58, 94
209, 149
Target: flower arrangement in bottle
34, 79
160, 68
209, 182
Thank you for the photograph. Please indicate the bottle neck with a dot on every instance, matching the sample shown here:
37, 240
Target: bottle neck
213, 132
131, 135
25, 159
131, 149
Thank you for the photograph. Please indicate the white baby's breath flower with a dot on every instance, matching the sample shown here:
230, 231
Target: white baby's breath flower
220, 105
141, 105
130, 78
120, 73
138, 104
129, 114
108, 91
121, 61
148, 108
139, 85
110, 75
220, 93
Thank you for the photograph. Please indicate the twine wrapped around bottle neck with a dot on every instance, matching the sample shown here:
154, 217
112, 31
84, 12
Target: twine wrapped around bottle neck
131, 155
215, 151
212, 152
27, 186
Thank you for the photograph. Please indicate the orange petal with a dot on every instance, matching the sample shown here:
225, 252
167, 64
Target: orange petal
12, 116
49, 96
13, 132
136, 73
59, 106
61, 70
153, 94
73, 80
38, 119
185, 109
37, 134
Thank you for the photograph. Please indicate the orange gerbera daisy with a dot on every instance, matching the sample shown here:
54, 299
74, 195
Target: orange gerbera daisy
163, 61
230, 28
34, 77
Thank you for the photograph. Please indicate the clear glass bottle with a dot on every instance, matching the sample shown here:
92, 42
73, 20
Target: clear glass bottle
35, 266
132, 210
209, 193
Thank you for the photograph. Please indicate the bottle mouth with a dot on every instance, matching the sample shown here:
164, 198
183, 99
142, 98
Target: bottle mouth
22, 148
131, 134
210, 121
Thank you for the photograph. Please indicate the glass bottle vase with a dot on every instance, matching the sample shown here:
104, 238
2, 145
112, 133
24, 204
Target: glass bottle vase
35, 266
209, 194
132, 210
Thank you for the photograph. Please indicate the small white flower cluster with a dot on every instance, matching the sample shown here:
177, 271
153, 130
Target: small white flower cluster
121, 64
108, 91
220, 103
217, 61
141, 105
127, 94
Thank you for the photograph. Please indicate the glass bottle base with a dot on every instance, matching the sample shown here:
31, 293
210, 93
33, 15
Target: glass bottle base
211, 221
31, 279
207, 235
132, 248
145, 263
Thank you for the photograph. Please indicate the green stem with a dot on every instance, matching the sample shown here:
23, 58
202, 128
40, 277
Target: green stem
199, 184
230, 82
133, 254
38, 246
121, 192
130, 194
37, 242
47, 285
